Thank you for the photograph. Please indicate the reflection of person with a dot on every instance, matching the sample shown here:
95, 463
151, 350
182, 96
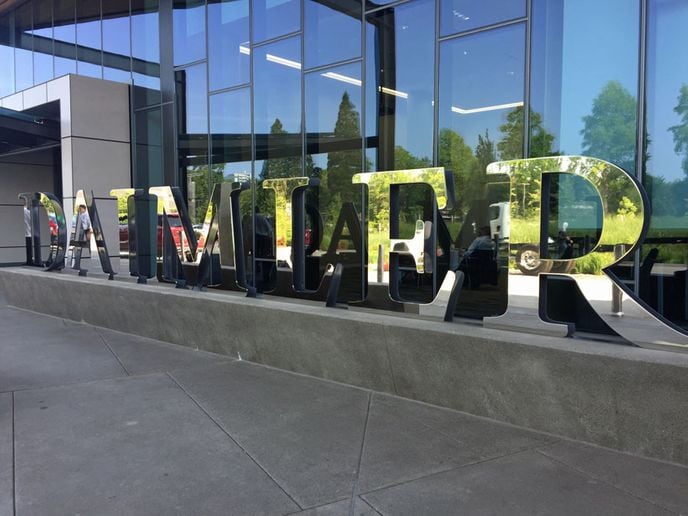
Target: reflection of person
564, 243
84, 222
27, 236
482, 242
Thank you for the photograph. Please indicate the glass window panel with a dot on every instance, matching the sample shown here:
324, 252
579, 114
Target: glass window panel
273, 18
64, 31
116, 46
228, 43
145, 50
89, 38
461, 15
230, 127
42, 41
192, 124
332, 32
277, 76
663, 284
188, 25
400, 85
278, 136
6, 56
480, 121
334, 153
575, 112
191, 85
23, 52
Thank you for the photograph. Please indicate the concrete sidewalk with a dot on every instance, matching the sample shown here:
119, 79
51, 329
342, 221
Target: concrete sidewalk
98, 422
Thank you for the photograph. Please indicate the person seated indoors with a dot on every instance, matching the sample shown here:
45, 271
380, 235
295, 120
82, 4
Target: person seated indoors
483, 242
478, 261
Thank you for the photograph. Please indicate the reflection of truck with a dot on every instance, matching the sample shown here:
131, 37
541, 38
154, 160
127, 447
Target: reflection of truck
579, 224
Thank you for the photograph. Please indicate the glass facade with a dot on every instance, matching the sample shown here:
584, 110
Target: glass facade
260, 90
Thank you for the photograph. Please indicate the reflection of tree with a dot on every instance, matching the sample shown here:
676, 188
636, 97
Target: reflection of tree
511, 144
342, 165
680, 131
199, 175
456, 156
289, 166
610, 134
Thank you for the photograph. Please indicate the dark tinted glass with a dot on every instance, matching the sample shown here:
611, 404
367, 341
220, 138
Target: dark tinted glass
64, 12
145, 50
400, 86
461, 15
6, 55
148, 169
334, 154
116, 42
480, 121
188, 26
332, 32
665, 252
89, 38
23, 52
273, 18
228, 43
42, 41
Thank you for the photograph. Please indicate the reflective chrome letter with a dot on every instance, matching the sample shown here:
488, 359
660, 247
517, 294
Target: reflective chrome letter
383, 189
636, 323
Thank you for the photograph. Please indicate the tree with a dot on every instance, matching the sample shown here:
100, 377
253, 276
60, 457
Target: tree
610, 131
342, 165
511, 144
458, 157
680, 131
274, 168
610, 134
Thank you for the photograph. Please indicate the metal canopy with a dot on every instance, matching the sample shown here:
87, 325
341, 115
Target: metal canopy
22, 131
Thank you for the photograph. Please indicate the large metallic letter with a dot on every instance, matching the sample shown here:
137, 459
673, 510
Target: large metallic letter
222, 224
290, 229
634, 322
178, 237
79, 237
383, 190
58, 228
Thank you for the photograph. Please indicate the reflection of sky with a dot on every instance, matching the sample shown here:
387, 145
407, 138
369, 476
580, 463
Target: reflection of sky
331, 35
479, 71
667, 71
277, 86
600, 44
324, 94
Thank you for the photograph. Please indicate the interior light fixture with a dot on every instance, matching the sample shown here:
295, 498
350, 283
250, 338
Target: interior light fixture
483, 109
342, 78
396, 93
244, 50
283, 61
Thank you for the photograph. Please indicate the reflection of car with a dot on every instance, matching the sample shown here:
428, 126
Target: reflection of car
175, 226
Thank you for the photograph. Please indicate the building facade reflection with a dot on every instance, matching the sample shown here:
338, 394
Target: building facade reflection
305, 90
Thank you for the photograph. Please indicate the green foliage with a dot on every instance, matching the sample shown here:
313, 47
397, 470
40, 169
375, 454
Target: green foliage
609, 133
593, 263
626, 207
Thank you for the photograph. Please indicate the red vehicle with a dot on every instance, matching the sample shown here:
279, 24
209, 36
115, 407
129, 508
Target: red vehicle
176, 227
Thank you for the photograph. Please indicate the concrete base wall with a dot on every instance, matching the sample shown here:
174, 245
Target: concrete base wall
626, 398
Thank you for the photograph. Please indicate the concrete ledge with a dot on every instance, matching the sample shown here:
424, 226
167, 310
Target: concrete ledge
626, 398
